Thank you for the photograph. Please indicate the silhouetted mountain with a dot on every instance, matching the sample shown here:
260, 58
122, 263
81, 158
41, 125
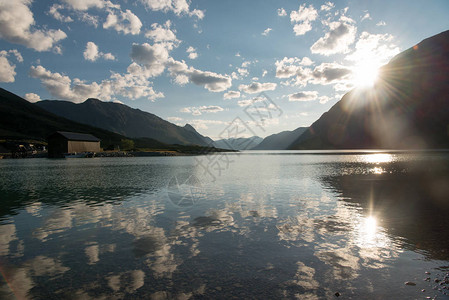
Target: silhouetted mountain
281, 140
408, 108
19, 119
124, 120
239, 143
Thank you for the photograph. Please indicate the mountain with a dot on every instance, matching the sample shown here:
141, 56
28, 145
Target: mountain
19, 119
280, 141
408, 107
238, 143
124, 120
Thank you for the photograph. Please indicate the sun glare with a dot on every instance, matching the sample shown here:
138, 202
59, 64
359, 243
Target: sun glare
365, 73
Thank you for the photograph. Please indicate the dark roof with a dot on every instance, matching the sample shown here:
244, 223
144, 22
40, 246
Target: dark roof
75, 136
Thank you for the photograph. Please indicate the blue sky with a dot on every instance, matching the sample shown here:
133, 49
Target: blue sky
206, 62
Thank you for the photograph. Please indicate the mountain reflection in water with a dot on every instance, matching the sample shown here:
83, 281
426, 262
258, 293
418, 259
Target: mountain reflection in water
284, 226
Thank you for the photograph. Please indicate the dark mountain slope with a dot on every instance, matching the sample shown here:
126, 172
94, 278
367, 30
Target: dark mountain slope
408, 108
281, 140
20, 119
124, 120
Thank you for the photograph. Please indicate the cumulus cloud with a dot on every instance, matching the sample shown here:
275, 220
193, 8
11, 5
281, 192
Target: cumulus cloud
303, 96
174, 119
303, 18
327, 6
231, 95
192, 52
86, 4
16, 26
211, 81
54, 12
62, 87
163, 33
381, 23
197, 111
377, 47
178, 7
340, 36
92, 54
257, 87
152, 57
288, 67
124, 21
32, 97
282, 12
328, 73
7, 69
267, 31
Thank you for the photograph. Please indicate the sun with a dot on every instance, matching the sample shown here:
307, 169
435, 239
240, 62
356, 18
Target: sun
365, 73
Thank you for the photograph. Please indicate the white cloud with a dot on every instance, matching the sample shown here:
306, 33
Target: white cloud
282, 12
288, 67
328, 73
203, 124
89, 19
264, 72
197, 111
366, 17
16, 26
377, 47
303, 17
266, 31
125, 21
324, 99
178, 7
303, 96
209, 80
32, 97
17, 54
340, 36
327, 6
131, 86
92, 54
54, 12
7, 70
86, 4
381, 23
163, 33
257, 87
192, 52
152, 57
231, 95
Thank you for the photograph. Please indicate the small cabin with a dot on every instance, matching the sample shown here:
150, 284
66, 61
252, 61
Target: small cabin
62, 142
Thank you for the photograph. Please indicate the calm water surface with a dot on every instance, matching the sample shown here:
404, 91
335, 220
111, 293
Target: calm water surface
264, 225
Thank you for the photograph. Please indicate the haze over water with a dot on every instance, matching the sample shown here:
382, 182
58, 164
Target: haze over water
250, 225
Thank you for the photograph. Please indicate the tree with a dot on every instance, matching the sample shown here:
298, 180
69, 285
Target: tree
126, 144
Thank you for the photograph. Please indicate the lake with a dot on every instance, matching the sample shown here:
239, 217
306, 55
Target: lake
256, 224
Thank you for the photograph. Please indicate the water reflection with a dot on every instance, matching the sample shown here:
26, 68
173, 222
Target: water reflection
301, 229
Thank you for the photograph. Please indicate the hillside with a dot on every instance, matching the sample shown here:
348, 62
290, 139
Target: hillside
23, 120
281, 140
124, 120
408, 108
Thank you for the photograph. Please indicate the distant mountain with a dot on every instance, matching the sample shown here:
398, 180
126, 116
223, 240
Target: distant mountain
19, 119
408, 108
280, 141
124, 120
238, 143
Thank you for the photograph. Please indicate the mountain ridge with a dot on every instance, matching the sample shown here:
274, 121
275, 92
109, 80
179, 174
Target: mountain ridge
124, 120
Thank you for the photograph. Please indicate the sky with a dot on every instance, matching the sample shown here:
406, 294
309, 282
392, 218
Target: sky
273, 65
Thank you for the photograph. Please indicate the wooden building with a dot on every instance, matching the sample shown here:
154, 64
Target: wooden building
61, 142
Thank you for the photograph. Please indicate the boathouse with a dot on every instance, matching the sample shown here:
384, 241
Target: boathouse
62, 142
